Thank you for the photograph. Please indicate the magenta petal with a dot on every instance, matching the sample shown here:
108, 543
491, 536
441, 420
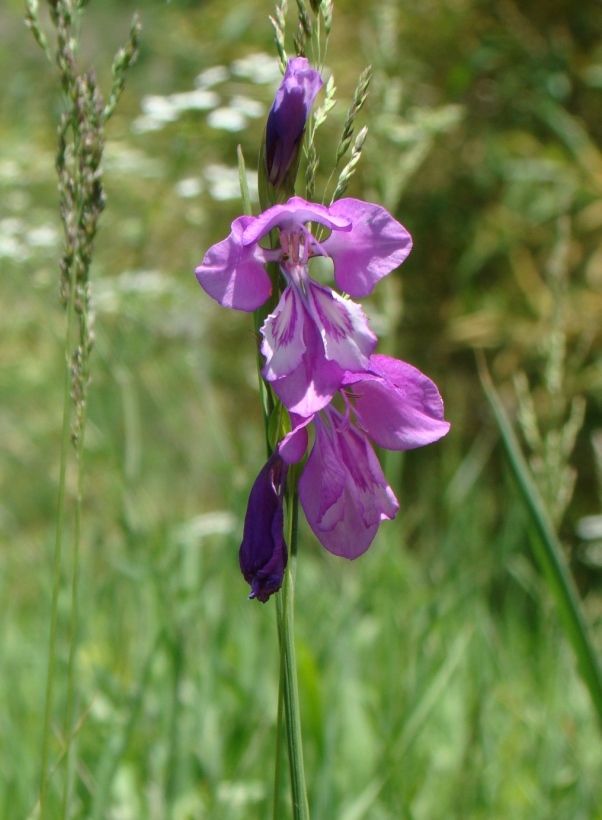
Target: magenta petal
293, 446
233, 273
398, 406
374, 247
263, 553
343, 491
343, 326
291, 216
311, 386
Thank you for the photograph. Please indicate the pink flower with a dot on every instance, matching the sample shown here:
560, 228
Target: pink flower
314, 335
342, 490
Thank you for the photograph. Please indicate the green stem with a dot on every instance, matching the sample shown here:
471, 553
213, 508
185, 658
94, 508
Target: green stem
291, 706
288, 694
74, 620
279, 721
289, 666
50, 669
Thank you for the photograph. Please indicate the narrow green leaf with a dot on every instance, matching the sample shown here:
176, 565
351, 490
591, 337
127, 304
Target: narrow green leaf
548, 550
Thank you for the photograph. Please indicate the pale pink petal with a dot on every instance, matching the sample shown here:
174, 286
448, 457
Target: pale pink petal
283, 345
374, 247
234, 274
293, 446
310, 387
343, 326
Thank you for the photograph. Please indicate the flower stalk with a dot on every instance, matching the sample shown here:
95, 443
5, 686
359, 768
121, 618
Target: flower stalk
289, 689
317, 363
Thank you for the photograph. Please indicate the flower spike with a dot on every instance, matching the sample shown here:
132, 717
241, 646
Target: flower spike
314, 335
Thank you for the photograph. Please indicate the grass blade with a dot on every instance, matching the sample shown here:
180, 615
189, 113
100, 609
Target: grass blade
548, 550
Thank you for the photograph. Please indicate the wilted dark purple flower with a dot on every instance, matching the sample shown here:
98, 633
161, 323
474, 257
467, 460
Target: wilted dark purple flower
263, 553
287, 117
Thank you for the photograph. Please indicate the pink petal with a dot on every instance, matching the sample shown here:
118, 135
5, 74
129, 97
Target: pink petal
374, 247
398, 406
293, 446
291, 216
311, 386
343, 491
234, 274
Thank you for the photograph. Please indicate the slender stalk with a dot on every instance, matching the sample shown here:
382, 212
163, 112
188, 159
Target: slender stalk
276, 421
288, 692
291, 705
80, 147
279, 720
74, 621
289, 668
60, 518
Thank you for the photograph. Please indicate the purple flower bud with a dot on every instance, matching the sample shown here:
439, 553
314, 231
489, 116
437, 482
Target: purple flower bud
263, 553
287, 117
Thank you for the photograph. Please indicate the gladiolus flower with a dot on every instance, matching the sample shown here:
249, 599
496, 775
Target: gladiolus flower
343, 491
314, 335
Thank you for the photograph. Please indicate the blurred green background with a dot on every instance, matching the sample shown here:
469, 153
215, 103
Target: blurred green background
435, 679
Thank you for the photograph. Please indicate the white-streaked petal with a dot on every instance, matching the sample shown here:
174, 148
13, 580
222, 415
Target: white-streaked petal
347, 339
283, 344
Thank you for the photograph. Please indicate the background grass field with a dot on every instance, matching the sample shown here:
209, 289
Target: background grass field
435, 679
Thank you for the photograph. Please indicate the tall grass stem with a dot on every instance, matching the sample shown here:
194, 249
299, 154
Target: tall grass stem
60, 518
74, 618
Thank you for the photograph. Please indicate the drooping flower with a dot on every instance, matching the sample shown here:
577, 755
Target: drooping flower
287, 118
314, 335
342, 489
263, 553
